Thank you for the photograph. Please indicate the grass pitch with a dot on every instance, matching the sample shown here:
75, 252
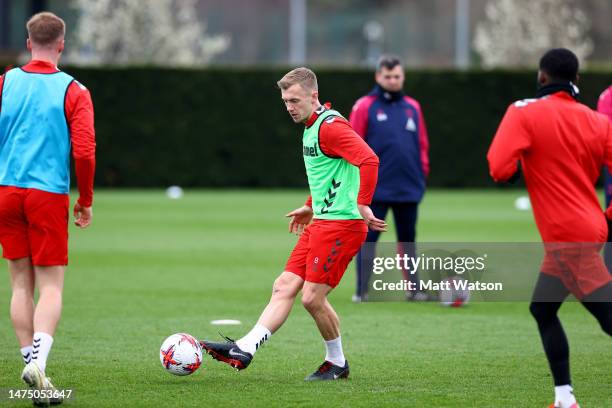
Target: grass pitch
150, 267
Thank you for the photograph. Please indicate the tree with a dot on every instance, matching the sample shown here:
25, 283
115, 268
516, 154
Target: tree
157, 32
517, 32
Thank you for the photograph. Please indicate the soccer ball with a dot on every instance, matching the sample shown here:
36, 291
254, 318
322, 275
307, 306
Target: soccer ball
454, 296
180, 354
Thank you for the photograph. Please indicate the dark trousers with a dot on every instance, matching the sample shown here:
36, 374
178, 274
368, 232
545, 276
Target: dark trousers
548, 297
405, 215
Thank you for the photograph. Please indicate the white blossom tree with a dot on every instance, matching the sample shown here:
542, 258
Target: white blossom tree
157, 32
517, 32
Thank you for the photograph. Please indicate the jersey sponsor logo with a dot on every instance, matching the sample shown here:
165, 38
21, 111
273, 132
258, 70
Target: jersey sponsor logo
311, 151
381, 116
524, 102
330, 119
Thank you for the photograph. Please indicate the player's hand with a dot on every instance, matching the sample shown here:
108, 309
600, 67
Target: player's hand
368, 216
82, 215
300, 218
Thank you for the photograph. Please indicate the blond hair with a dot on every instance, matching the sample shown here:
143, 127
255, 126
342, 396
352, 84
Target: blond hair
45, 28
302, 76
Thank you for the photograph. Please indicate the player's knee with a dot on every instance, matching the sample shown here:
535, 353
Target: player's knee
607, 328
278, 287
311, 301
606, 323
540, 311
282, 288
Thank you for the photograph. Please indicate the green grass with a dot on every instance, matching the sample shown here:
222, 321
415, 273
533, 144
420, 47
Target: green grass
150, 267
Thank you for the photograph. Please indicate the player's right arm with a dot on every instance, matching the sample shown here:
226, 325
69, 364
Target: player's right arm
80, 113
338, 138
510, 141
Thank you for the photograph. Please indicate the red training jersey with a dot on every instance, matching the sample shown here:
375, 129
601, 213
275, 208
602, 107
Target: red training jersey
80, 118
562, 145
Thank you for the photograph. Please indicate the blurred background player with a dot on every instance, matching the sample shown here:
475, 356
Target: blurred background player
341, 171
393, 126
562, 146
44, 112
604, 105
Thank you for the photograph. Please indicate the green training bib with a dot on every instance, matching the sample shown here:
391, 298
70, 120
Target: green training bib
334, 182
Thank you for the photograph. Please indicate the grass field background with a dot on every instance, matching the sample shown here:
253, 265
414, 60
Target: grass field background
149, 267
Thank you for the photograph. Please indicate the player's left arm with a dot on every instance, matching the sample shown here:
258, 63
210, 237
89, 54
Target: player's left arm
80, 113
337, 138
510, 141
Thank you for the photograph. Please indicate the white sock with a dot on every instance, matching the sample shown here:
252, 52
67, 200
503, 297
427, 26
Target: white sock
40, 349
255, 338
335, 355
564, 396
26, 353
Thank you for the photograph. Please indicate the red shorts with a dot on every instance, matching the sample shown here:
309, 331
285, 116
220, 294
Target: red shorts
325, 249
34, 223
579, 266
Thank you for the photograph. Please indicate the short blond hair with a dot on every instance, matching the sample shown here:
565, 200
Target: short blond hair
303, 76
45, 28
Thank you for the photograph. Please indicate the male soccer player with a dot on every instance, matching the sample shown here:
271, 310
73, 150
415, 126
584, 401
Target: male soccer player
392, 124
562, 146
43, 113
342, 172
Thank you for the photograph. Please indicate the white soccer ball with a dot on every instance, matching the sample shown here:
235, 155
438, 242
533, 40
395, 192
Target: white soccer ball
180, 354
174, 192
522, 203
454, 296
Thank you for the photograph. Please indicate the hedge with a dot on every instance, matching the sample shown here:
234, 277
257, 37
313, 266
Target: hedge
227, 127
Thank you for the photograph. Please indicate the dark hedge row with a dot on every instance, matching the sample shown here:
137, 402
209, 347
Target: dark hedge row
228, 127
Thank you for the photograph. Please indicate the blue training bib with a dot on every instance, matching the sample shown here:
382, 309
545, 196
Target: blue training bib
34, 133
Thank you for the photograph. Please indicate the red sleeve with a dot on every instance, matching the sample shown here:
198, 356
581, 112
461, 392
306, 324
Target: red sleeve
80, 114
511, 139
423, 137
308, 202
424, 144
359, 115
337, 138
